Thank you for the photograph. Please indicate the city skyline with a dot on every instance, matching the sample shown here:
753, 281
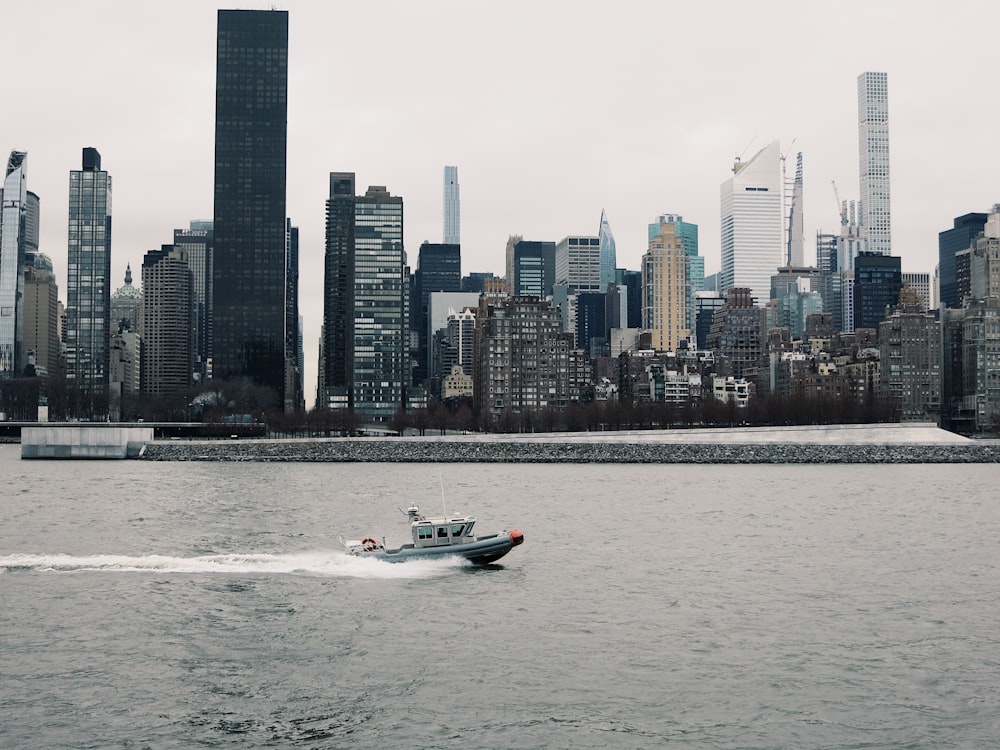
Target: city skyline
621, 150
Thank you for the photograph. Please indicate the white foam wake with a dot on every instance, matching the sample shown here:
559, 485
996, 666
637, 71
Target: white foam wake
332, 564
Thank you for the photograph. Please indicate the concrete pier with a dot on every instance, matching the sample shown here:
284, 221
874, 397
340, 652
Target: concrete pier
91, 440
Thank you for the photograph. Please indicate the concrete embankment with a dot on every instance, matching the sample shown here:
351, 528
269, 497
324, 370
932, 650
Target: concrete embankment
373, 450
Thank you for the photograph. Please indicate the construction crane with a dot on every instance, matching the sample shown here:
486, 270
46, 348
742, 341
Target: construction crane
841, 207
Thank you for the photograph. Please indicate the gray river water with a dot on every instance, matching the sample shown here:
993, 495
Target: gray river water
170, 605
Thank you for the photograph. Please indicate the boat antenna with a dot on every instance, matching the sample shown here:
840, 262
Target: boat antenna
444, 510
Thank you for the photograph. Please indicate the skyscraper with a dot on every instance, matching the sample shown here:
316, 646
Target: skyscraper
198, 244
381, 373
41, 314
695, 274
251, 108
873, 160
168, 335
534, 269
366, 352
753, 223
88, 278
338, 294
294, 396
452, 208
609, 261
12, 246
877, 281
439, 269
664, 287
795, 235
960, 237
578, 264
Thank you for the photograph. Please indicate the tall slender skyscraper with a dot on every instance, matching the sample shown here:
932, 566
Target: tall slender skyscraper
609, 260
14, 195
294, 396
873, 160
88, 278
381, 286
251, 108
795, 236
452, 208
753, 223
338, 295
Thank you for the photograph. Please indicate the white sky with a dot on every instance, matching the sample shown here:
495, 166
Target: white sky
551, 110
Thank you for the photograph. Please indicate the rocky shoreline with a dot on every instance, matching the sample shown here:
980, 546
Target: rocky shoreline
418, 451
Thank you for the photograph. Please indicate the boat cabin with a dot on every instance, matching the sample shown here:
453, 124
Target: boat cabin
439, 532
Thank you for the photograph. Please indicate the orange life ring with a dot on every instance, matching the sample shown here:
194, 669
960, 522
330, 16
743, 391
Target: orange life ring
369, 545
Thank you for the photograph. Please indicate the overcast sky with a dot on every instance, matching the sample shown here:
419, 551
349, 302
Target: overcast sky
551, 111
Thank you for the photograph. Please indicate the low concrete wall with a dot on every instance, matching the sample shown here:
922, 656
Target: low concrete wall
418, 451
98, 441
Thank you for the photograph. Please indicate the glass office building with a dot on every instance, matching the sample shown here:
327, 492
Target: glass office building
88, 274
251, 108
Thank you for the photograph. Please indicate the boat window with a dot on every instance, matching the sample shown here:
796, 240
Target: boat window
456, 530
468, 530
425, 532
442, 531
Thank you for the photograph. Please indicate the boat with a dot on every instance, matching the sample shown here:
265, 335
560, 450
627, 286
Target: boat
440, 537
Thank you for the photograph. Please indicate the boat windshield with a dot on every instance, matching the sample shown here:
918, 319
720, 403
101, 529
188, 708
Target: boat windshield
457, 529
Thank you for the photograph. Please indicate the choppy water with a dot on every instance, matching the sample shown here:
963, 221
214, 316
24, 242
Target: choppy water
210, 605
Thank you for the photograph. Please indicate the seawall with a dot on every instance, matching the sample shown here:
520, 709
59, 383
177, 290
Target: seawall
414, 450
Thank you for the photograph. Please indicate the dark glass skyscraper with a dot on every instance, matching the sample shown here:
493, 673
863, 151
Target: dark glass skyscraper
439, 269
534, 268
251, 107
877, 281
88, 280
338, 295
961, 236
365, 325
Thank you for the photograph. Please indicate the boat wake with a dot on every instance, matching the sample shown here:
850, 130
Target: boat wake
321, 564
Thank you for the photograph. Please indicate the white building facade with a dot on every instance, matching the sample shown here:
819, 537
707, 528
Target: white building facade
753, 220
873, 160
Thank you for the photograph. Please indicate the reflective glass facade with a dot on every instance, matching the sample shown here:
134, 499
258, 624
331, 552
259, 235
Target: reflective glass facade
609, 258
439, 269
381, 287
534, 268
251, 107
960, 237
337, 365
12, 246
877, 281
88, 289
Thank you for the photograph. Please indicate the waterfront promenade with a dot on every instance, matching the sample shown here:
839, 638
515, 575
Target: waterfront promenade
897, 443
